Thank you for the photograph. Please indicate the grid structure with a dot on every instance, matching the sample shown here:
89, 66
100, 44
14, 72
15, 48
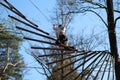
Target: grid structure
87, 65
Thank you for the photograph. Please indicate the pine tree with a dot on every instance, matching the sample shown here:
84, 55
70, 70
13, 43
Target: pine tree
10, 59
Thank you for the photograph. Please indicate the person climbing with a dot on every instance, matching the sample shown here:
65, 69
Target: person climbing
61, 37
60, 31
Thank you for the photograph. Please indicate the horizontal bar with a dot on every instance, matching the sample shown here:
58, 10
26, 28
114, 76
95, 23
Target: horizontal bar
64, 59
36, 28
65, 53
47, 48
79, 65
39, 41
11, 7
35, 33
21, 15
105, 68
76, 60
14, 10
101, 67
96, 66
89, 65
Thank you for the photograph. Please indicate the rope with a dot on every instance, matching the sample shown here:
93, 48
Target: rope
40, 11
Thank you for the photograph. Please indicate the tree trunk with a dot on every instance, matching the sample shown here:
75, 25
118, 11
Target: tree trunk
112, 37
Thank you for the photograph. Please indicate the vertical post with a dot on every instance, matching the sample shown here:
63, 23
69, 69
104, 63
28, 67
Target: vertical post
112, 37
111, 29
62, 70
82, 75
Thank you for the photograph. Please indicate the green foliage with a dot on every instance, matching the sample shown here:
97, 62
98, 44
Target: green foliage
7, 37
10, 60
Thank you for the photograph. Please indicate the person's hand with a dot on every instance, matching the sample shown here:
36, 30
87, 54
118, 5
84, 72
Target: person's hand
54, 25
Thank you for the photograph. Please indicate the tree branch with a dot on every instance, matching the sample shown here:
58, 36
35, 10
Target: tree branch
99, 17
7, 61
117, 11
97, 4
11, 64
116, 20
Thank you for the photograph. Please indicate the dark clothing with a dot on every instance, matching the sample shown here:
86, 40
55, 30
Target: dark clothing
61, 36
62, 39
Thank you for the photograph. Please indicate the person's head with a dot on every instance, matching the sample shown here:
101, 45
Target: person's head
54, 25
60, 26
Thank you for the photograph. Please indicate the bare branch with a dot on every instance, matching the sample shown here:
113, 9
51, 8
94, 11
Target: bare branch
7, 61
99, 17
116, 20
97, 4
117, 11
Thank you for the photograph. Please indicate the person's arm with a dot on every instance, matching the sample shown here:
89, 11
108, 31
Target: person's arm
61, 27
54, 27
64, 30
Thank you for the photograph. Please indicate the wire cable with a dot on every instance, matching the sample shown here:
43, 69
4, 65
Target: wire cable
40, 11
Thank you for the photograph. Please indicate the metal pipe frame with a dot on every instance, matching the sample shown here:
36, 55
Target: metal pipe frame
80, 65
23, 22
35, 33
90, 65
36, 40
69, 58
105, 67
108, 56
95, 66
10, 7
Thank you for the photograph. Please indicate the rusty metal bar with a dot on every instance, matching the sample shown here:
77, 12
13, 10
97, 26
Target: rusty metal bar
14, 10
109, 69
96, 66
42, 36
9, 8
79, 65
36, 28
89, 65
58, 48
68, 58
105, 67
101, 66
82, 67
65, 53
62, 71
48, 48
113, 69
76, 61
36, 40
35, 33
39, 61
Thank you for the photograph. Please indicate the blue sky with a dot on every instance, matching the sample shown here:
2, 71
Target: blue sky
34, 15
87, 22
